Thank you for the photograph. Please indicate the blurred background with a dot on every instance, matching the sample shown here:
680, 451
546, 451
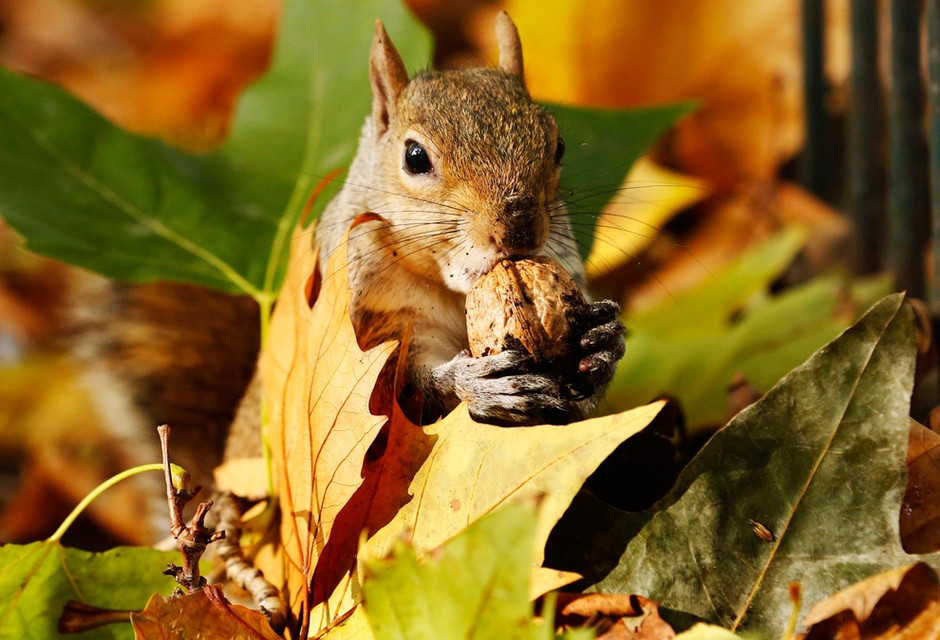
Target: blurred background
734, 246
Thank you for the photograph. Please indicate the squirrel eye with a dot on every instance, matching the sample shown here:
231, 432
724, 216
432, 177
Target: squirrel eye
559, 150
416, 158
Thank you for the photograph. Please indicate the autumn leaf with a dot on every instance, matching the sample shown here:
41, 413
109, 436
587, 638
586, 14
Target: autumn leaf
475, 586
920, 510
749, 121
428, 482
650, 196
317, 385
900, 603
818, 462
616, 616
204, 614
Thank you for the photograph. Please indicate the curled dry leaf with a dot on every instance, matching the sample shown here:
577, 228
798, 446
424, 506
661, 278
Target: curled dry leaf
614, 616
900, 603
338, 476
920, 509
204, 614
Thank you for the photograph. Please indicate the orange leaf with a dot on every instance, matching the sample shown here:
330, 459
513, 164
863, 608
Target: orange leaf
205, 614
920, 510
900, 603
317, 384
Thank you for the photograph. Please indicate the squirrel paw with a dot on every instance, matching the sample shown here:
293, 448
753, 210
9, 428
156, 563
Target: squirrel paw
503, 389
601, 347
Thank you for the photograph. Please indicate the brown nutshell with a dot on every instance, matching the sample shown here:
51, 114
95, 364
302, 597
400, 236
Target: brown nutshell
530, 304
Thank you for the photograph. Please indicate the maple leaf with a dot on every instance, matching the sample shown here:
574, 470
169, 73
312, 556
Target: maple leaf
428, 482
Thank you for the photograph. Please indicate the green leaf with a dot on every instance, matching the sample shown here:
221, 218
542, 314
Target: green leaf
601, 146
82, 190
36, 580
737, 327
476, 585
819, 461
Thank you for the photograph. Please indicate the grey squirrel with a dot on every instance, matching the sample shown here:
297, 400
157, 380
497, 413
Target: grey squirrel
460, 169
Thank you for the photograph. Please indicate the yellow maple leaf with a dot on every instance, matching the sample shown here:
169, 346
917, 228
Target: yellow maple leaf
651, 196
336, 479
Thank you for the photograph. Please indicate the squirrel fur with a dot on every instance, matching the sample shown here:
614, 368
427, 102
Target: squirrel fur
458, 170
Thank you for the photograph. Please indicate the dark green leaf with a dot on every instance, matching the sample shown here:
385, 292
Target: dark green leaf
36, 580
601, 146
819, 462
82, 190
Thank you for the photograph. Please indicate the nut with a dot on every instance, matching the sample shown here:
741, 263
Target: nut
530, 304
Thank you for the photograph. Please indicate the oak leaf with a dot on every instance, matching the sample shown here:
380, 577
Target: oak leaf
337, 477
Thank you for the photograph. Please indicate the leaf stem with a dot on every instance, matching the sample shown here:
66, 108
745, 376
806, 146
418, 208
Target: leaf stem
266, 305
97, 491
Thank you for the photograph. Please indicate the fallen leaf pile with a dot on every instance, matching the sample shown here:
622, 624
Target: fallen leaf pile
427, 482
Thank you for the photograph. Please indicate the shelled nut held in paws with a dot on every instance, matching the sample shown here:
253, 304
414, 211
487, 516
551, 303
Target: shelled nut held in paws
529, 304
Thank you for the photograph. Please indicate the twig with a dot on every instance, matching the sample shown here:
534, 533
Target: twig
192, 541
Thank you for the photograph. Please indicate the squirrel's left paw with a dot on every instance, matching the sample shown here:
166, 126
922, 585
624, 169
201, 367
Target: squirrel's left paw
601, 348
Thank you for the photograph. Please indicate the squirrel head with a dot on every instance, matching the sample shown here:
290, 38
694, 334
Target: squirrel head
470, 148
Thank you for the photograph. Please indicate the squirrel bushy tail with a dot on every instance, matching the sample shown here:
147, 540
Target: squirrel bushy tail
166, 353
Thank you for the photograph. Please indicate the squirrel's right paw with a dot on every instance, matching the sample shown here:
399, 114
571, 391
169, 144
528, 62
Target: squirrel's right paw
502, 389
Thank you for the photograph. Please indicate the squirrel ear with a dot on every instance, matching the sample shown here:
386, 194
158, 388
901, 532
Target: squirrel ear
510, 47
388, 77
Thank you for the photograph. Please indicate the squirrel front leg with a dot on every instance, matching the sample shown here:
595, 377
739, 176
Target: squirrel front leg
509, 388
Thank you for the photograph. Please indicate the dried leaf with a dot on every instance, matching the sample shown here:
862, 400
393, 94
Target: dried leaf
428, 483
205, 614
317, 385
614, 616
245, 477
881, 606
920, 509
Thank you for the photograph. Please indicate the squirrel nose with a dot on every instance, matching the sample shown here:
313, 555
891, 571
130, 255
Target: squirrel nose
522, 229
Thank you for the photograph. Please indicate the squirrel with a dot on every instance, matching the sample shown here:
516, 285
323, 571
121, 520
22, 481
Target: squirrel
459, 169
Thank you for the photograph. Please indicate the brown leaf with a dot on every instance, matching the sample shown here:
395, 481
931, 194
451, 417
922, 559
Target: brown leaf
205, 614
168, 67
613, 616
901, 603
920, 509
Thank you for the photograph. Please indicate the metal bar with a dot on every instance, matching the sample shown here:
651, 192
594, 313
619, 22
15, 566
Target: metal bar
865, 162
908, 217
933, 90
815, 161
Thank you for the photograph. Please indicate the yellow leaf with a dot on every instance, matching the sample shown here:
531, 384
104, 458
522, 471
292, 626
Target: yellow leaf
337, 478
741, 61
317, 384
627, 226
245, 477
